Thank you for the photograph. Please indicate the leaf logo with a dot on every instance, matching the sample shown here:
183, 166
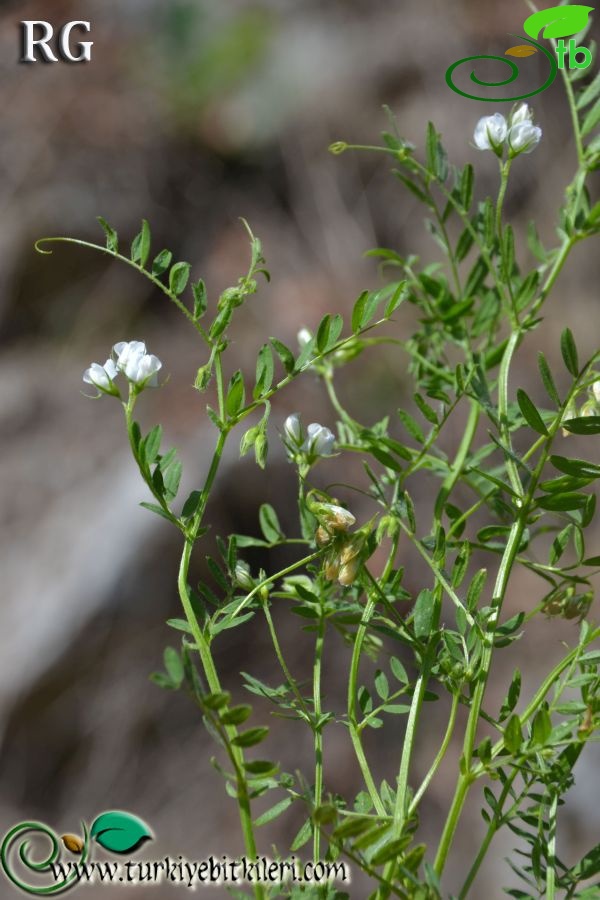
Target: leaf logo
520, 50
558, 21
119, 832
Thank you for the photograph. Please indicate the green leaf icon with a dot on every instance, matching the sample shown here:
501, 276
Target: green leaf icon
558, 21
119, 832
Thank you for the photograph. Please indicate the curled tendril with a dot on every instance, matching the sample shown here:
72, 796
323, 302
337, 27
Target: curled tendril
514, 69
43, 865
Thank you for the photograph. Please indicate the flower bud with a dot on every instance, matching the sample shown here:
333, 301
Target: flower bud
292, 429
596, 391
243, 577
319, 442
230, 298
73, 843
304, 337
522, 113
202, 379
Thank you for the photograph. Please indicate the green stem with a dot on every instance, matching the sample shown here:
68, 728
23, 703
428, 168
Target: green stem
493, 827
352, 717
214, 684
416, 705
459, 460
551, 867
155, 281
511, 466
284, 667
318, 732
506, 564
440, 754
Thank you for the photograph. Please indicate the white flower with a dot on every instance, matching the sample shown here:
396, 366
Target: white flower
292, 428
490, 132
129, 354
139, 367
521, 114
596, 390
524, 137
320, 440
304, 337
102, 377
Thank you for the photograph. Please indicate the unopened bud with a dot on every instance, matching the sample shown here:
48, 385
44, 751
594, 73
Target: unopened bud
203, 377
304, 337
242, 576
292, 429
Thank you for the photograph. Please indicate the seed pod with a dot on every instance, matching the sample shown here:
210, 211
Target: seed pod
73, 843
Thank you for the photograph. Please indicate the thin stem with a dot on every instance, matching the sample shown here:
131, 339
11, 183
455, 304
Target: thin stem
271, 578
506, 564
551, 867
511, 466
214, 684
439, 575
153, 278
459, 460
440, 754
400, 806
284, 667
352, 717
318, 731
493, 827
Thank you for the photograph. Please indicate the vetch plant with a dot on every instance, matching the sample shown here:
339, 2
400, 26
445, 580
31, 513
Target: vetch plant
516, 495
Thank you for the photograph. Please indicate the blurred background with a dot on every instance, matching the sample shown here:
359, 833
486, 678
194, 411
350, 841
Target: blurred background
191, 114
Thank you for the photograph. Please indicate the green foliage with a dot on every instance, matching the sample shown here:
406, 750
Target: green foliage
500, 496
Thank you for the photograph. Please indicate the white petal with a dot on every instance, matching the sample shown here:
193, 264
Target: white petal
110, 368
522, 114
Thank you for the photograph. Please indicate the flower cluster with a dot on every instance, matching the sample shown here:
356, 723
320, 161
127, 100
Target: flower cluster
343, 558
318, 441
519, 134
129, 358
